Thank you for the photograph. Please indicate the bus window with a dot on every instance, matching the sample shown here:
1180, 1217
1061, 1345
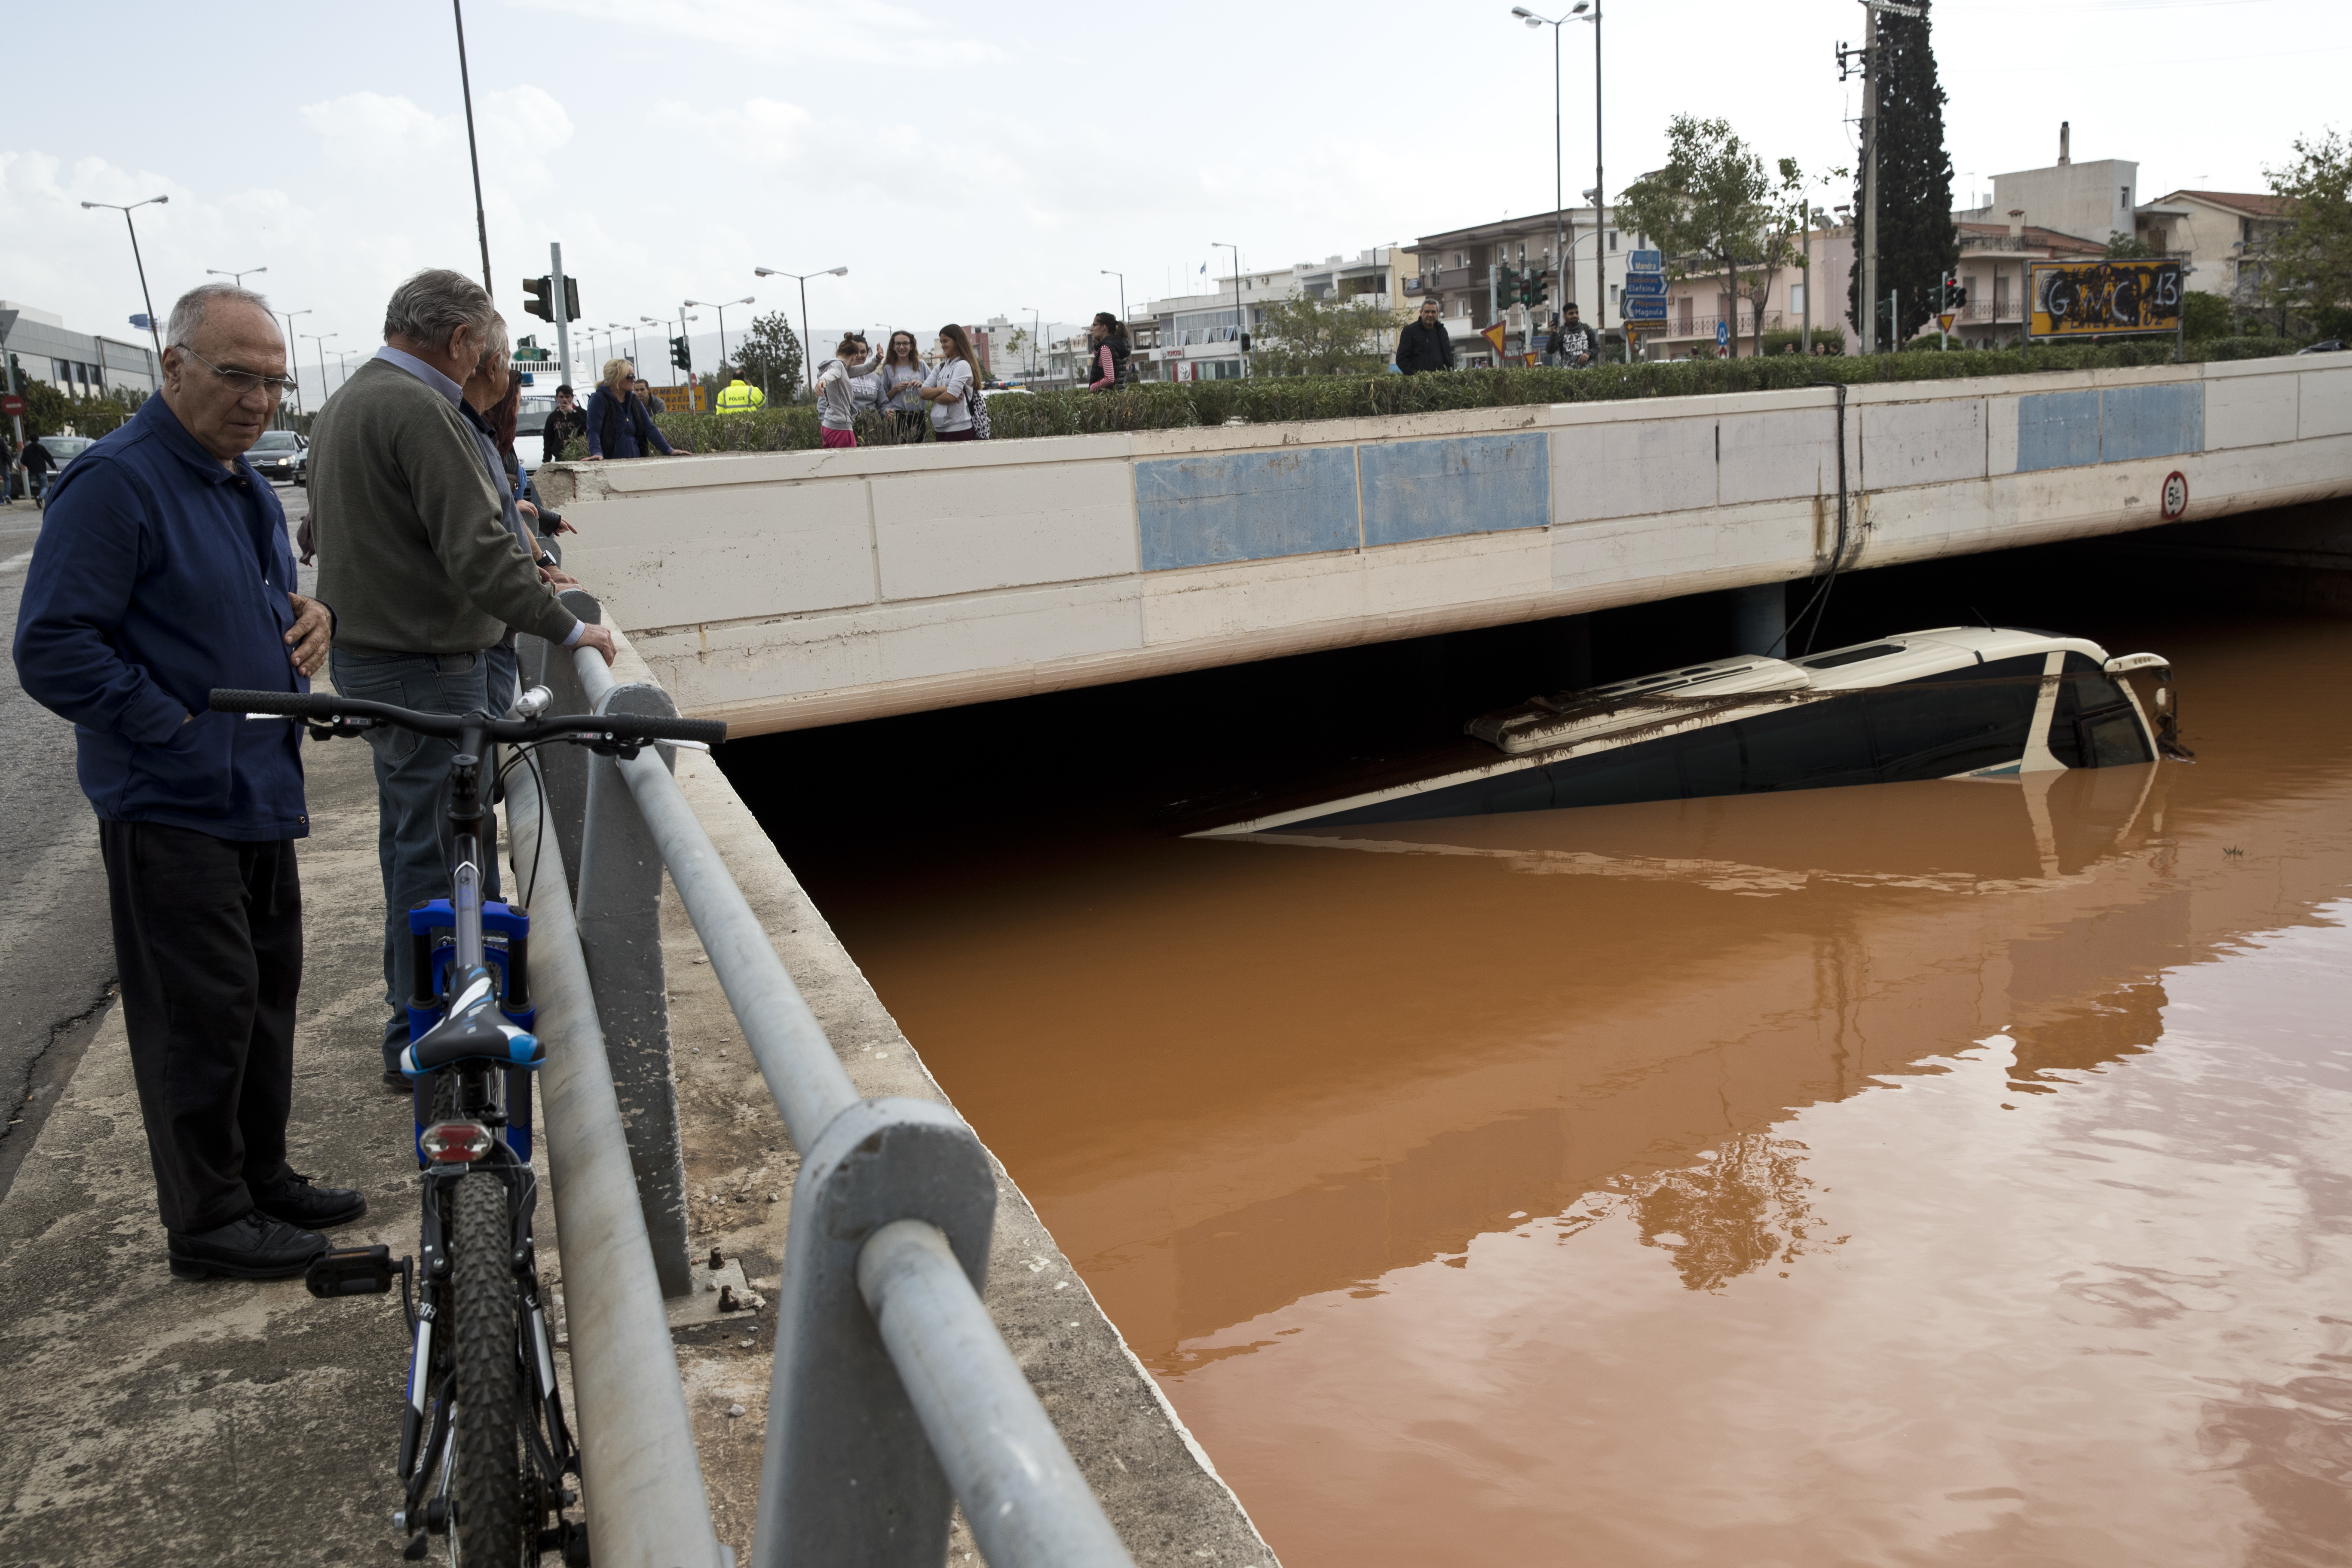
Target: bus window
1809, 746
1954, 722
2092, 724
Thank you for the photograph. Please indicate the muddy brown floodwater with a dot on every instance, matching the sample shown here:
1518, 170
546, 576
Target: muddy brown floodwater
1919, 1174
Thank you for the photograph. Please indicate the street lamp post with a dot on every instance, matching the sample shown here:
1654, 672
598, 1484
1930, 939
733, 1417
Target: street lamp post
808, 355
1122, 293
235, 278
722, 309
1559, 184
1036, 322
137, 261
1241, 317
320, 339
1600, 190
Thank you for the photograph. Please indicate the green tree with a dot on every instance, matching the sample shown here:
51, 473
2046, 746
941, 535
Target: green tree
2122, 246
1715, 212
1324, 337
2210, 315
2307, 267
1918, 243
768, 356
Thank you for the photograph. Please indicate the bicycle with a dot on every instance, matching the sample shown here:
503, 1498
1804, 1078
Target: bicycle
484, 1450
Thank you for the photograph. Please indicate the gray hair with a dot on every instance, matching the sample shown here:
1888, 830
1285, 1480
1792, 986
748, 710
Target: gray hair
496, 345
188, 313
430, 307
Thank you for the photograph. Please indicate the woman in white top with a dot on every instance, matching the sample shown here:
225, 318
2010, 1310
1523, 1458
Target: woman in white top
950, 382
899, 379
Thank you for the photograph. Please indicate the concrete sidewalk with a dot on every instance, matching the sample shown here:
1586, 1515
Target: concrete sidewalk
154, 1420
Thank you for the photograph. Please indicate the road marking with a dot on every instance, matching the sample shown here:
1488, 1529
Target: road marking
16, 560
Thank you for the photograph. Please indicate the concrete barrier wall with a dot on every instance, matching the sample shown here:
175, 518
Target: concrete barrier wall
780, 590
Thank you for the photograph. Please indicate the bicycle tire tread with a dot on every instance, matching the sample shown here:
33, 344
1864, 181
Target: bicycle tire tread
489, 1479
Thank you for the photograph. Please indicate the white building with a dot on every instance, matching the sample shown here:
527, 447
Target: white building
1197, 337
2085, 201
77, 363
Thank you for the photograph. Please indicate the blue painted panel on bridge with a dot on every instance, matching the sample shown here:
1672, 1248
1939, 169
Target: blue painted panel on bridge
2057, 430
1245, 506
1471, 484
2152, 422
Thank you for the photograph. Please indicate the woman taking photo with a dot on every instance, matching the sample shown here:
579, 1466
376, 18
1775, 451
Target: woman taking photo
618, 424
949, 386
900, 379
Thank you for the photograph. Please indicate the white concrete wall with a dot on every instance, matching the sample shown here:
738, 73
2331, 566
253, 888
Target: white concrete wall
780, 590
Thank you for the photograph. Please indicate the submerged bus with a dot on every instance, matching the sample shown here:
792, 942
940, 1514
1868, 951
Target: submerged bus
1968, 702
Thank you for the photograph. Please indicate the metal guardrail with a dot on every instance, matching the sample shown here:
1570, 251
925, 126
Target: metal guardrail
893, 1394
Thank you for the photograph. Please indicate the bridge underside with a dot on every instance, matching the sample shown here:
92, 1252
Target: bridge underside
783, 591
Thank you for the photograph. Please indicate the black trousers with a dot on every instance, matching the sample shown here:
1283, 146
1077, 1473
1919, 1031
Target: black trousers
208, 937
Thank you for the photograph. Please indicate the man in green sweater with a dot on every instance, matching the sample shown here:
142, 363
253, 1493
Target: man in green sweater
414, 554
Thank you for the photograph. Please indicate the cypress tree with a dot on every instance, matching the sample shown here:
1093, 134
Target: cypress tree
1918, 243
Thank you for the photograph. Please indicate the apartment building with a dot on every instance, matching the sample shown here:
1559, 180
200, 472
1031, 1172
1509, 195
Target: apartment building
1197, 336
2221, 234
1457, 266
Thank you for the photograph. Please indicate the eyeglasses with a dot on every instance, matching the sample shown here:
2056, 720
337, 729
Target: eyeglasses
244, 382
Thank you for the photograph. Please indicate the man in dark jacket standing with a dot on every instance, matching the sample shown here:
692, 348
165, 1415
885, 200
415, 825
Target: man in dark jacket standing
1425, 344
1579, 345
564, 423
163, 570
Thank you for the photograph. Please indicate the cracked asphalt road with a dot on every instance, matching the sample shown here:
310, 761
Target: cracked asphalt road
56, 948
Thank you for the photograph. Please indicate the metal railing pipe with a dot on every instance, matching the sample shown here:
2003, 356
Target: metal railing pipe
809, 1085
641, 1473
1027, 1504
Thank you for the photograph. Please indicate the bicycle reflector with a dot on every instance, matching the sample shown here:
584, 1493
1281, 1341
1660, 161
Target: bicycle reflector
455, 1142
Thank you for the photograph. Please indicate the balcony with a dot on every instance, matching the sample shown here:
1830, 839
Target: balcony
1704, 326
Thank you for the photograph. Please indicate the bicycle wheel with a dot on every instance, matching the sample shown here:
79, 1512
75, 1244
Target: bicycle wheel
489, 1481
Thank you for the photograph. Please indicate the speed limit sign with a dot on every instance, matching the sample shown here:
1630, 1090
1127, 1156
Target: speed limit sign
2175, 498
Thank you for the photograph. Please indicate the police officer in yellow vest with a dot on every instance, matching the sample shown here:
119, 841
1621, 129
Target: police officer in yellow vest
740, 398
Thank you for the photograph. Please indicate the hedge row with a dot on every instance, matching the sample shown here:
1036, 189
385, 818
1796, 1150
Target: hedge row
1266, 400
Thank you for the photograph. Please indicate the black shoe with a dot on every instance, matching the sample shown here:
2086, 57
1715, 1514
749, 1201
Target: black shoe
252, 1247
295, 1201
398, 1081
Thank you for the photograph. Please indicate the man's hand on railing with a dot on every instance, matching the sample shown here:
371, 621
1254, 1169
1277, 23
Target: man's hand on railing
597, 637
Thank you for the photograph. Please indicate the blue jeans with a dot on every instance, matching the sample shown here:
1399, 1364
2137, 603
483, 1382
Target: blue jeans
412, 781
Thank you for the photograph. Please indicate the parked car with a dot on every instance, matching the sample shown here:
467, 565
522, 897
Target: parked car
62, 449
2325, 347
531, 418
281, 457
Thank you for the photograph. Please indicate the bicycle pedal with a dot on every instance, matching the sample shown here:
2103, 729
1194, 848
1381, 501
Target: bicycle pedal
351, 1272
414, 1550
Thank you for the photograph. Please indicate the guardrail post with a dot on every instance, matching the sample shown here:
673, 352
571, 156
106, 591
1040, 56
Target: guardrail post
849, 1477
564, 769
620, 935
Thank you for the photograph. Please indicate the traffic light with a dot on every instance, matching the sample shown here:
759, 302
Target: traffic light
1507, 284
1534, 287
540, 290
571, 299
680, 356
1955, 296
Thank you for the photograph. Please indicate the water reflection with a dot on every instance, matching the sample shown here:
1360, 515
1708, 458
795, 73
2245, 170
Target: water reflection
1932, 1171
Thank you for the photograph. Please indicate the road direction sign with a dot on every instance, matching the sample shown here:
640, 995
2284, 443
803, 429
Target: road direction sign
1645, 261
1722, 334
11, 406
1639, 285
1638, 309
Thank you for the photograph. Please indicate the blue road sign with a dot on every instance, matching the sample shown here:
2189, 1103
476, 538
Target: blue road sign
1722, 334
1639, 285
1638, 309
1645, 261
140, 322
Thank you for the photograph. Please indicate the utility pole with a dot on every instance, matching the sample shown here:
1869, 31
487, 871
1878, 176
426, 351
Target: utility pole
556, 296
466, 82
1870, 177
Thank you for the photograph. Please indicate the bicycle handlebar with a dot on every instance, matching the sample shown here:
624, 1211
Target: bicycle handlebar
326, 708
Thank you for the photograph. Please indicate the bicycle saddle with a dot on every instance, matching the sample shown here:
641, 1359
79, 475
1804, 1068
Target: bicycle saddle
473, 1031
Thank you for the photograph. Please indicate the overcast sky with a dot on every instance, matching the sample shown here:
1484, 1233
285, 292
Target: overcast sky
968, 161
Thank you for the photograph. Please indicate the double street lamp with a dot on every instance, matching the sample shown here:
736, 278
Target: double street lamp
808, 354
320, 339
142, 265
1577, 13
721, 308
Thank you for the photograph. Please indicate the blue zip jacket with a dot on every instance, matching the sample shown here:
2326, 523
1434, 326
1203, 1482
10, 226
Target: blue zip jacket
621, 427
158, 575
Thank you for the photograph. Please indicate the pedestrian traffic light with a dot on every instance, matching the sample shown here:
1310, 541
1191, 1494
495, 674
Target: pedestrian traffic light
680, 356
541, 291
571, 299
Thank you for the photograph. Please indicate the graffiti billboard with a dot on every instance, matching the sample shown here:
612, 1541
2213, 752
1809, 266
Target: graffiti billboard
2103, 299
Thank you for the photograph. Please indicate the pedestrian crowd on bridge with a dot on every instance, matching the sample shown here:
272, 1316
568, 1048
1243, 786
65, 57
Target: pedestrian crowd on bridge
163, 570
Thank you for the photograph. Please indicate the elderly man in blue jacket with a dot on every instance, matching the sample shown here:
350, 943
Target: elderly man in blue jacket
163, 570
